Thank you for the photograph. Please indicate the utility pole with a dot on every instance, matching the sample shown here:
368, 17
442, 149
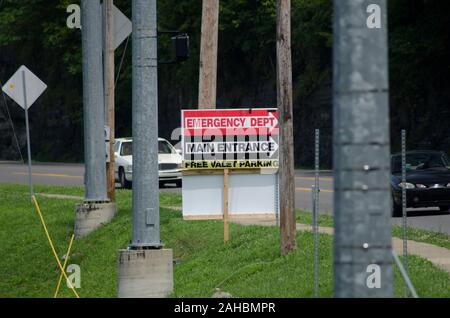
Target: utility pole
108, 62
362, 200
96, 208
145, 126
93, 100
285, 110
145, 269
208, 55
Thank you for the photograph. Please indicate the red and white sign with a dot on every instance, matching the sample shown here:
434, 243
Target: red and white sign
236, 138
230, 121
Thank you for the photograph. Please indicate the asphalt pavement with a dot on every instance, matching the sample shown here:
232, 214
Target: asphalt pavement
72, 174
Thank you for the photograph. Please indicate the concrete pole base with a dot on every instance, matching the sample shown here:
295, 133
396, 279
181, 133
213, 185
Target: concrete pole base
145, 273
90, 216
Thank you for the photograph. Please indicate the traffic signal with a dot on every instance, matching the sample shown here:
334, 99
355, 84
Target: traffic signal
181, 47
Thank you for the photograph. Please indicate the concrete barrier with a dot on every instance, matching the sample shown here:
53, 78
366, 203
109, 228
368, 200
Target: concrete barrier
145, 273
90, 216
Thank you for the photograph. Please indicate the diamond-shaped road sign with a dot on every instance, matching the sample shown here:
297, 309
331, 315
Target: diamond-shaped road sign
122, 27
34, 87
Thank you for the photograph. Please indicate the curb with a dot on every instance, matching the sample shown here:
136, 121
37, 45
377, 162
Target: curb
60, 196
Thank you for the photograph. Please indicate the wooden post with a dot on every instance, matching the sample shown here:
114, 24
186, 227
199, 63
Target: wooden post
225, 205
208, 55
108, 55
284, 88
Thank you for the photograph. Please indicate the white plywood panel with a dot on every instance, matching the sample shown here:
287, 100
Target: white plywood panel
249, 195
253, 193
202, 195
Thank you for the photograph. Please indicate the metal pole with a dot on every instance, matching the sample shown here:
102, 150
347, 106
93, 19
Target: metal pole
317, 167
361, 150
316, 213
405, 276
108, 58
285, 108
93, 101
315, 238
145, 126
27, 125
404, 212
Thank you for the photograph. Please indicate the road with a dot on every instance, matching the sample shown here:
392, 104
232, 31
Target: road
72, 174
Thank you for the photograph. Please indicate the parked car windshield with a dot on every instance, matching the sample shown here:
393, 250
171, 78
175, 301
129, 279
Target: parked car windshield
127, 148
421, 161
116, 146
163, 148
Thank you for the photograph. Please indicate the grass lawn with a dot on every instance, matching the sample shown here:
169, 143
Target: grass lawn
248, 266
419, 235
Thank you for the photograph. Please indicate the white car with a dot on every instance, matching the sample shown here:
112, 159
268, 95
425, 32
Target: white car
169, 160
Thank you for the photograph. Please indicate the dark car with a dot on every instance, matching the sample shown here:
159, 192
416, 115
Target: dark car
427, 180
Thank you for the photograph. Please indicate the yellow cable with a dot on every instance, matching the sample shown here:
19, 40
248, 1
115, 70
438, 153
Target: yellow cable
64, 265
52, 246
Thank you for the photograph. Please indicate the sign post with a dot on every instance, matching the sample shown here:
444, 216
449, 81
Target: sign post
404, 206
27, 125
25, 88
230, 139
225, 206
242, 147
315, 211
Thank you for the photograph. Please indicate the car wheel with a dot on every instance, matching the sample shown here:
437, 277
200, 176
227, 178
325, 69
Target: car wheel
444, 208
397, 209
179, 183
124, 183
